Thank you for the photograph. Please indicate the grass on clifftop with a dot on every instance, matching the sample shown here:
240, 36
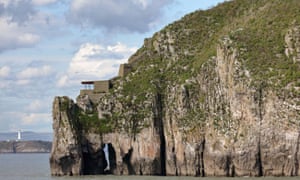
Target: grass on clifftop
181, 51
257, 27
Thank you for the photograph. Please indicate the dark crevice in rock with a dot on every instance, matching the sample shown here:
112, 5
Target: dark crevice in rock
202, 167
127, 160
230, 169
174, 158
175, 164
141, 171
186, 166
259, 99
259, 161
66, 163
187, 98
233, 171
163, 155
159, 124
200, 171
227, 166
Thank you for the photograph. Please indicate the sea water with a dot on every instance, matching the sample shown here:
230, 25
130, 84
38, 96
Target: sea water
36, 167
24, 166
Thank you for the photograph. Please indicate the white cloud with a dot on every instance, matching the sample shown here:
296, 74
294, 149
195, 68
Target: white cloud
5, 84
18, 11
13, 121
143, 3
130, 15
43, 2
23, 23
4, 71
35, 106
35, 72
22, 82
94, 62
35, 118
63, 81
28, 38
12, 36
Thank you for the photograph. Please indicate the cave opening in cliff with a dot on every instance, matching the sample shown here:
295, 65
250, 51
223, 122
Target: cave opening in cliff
95, 162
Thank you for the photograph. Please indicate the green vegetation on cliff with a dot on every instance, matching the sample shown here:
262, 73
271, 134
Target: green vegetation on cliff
257, 29
216, 93
253, 31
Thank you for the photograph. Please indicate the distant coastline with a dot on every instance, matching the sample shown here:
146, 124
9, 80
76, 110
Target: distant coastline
25, 146
26, 136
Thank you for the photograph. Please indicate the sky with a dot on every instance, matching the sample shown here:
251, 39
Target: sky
47, 47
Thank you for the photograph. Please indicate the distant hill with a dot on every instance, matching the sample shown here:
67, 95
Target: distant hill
25, 146
26, 136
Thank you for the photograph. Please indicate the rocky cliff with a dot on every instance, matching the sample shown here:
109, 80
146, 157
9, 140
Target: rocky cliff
216, 93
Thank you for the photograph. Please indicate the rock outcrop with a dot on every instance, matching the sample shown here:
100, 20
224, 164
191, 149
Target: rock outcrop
210, 95
66, 154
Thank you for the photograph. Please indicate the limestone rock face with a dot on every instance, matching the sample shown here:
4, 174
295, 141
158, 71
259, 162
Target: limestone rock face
66, 154
220, 98
292, 39
212, 125
131, 154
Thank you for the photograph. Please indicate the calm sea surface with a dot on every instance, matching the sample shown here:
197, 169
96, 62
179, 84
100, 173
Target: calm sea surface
36, 167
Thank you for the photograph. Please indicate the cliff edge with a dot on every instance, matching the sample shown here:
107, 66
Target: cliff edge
216, 93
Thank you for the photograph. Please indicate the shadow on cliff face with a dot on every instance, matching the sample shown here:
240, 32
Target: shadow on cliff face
94, 161
126, 160
66, 164
199, 159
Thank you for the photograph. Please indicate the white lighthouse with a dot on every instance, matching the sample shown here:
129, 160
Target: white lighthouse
19, 135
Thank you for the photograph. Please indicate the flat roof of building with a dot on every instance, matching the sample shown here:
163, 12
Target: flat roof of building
87, 82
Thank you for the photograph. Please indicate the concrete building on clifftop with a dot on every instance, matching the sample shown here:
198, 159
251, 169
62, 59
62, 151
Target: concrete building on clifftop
94, 89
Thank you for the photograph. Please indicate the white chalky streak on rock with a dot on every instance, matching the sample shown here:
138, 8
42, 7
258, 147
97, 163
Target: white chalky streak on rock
106, 153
